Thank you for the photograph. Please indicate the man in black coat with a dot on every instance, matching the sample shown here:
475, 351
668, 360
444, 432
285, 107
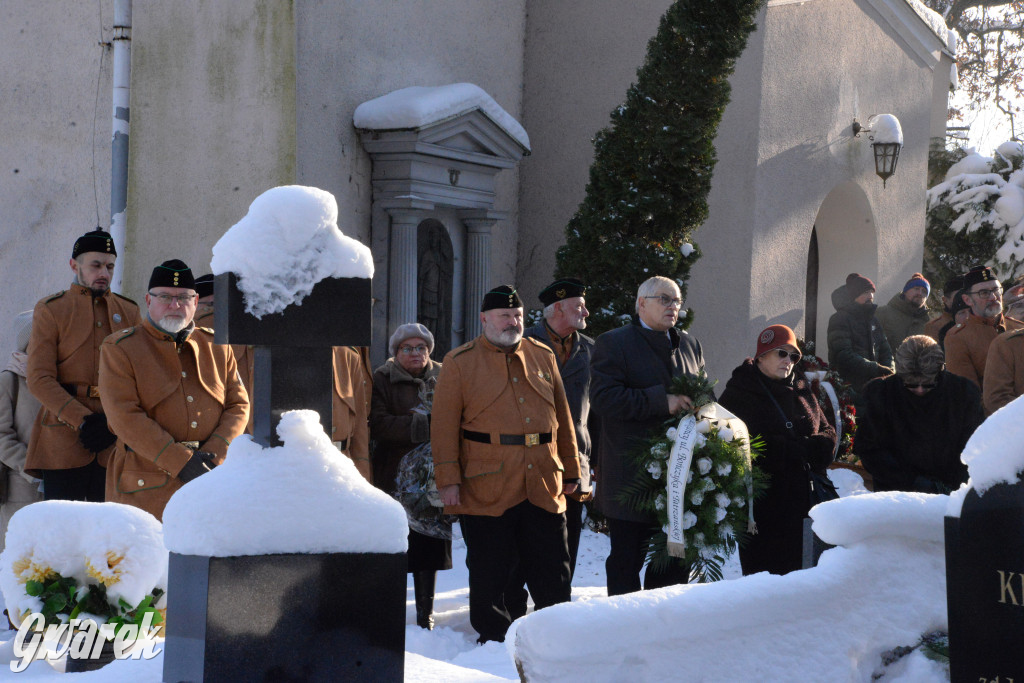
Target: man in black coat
631, 370
856, 341
914, 425
565, 314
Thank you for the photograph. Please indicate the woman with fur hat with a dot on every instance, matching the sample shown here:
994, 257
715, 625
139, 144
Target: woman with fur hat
18, 410
401, 385
777, 403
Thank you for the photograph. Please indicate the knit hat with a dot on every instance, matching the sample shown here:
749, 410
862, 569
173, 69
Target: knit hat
918, 280
410, 331
173, 273
857, 284
978, 274
774, 337
502, 296
96, 240
566, 288
204, 285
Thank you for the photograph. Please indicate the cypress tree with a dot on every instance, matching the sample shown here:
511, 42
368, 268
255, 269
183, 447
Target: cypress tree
652, 166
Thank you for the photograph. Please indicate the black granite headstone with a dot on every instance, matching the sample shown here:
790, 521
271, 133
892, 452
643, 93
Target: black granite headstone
813, 546
330, 617
293, 362
985, 586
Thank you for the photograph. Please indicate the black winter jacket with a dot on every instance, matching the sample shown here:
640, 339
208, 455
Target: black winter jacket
856, 342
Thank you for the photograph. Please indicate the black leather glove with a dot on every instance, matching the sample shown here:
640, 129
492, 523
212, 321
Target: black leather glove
820, 452
94, 435
199, 464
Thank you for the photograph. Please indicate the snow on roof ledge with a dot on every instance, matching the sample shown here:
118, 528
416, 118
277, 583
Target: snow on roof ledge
302, 497
420, 106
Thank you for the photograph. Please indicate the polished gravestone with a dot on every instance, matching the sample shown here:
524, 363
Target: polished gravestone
289, 617
813, 546
985, 586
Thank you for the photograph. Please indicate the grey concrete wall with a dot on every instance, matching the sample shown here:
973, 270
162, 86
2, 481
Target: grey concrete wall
351, 51
55, 124
581, 57
212, 126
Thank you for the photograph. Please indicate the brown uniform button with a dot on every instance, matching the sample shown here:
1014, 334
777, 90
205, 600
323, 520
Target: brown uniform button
529, 467
189, 399
183, 373
522, 400
527, 420
99, 324
194, 424
515, 379
142, 482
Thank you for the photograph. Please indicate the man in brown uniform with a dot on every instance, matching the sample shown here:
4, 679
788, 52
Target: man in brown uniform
350, 429
505, 455
172, 396
1004, 370
245, 356
70, 441
967, 346
950, 291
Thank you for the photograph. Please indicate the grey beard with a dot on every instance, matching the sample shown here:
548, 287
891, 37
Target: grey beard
172, 325
506, 338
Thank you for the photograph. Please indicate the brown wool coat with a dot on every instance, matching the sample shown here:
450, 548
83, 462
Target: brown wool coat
351, 407
64, 349
935, 325
395, 428
967, 345
157, 395
1004, 370
483, 389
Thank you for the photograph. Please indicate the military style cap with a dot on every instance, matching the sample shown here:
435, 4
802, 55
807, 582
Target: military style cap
173, 273
204, 285
566, 288
97, 240
953, 284
502, 296
979, 274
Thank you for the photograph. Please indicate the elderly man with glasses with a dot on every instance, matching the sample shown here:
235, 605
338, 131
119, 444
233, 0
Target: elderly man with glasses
631, 371
172, 396
967, 345
70, 441
914, 425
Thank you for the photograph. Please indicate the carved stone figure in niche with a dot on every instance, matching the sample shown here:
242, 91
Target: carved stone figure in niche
434, 308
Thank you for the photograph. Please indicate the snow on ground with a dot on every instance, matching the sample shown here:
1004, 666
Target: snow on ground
450, 654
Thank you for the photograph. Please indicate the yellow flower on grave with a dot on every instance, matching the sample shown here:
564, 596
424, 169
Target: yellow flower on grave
108, 575
27, 570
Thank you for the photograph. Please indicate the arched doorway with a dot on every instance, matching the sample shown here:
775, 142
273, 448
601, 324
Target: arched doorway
845, 240
434, 283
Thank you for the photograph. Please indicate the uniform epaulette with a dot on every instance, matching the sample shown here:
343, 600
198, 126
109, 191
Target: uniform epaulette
124, 334
122, 296
55, 296
540, 345
207, 330
1016, 333
462, 349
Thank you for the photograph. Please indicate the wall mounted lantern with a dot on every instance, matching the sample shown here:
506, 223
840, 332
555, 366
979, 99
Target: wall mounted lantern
886, 141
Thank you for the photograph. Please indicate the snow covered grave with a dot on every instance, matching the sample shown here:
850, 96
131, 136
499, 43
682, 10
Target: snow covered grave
291, 284
985, 554
285, 563
95, 567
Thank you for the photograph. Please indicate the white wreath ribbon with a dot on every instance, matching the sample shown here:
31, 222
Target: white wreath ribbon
680, 460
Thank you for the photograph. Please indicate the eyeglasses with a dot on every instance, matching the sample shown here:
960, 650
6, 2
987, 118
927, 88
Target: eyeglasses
409, 350
793, 355
666, 301
987, 293
922, 385
166, 299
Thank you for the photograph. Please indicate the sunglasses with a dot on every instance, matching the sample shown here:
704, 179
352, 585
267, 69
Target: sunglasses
793, 355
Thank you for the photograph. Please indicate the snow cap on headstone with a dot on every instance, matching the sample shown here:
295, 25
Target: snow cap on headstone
287, 242
302, 497
994, 454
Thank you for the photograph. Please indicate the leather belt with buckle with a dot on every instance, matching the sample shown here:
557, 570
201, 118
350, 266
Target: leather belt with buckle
508, 439
82, 390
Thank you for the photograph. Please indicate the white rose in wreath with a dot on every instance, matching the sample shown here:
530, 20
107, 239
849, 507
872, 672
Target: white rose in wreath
689, 519
704, 465
725, 434
703, 427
